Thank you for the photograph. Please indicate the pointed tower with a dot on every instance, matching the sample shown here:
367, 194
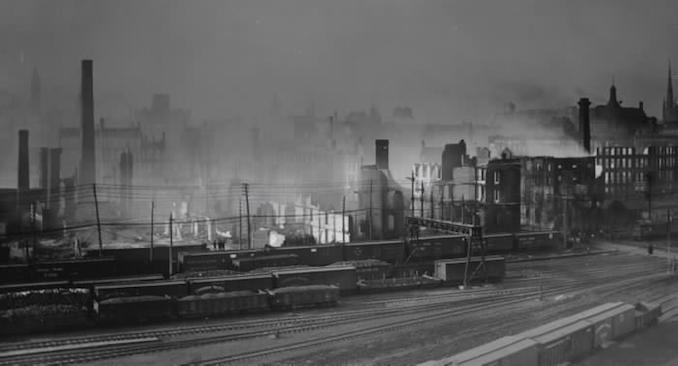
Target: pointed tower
613, 102
669, 112
35, 90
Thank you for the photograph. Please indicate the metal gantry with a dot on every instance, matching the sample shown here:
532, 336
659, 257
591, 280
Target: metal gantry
473, 236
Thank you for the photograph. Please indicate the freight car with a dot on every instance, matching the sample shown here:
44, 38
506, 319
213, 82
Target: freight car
134, 309
304, 296
498, 244
313, 255
202, 261
391, 251
223, 303
174, 289
344, 277
245, 282
437, 247
280, 260
454, 271
536, 241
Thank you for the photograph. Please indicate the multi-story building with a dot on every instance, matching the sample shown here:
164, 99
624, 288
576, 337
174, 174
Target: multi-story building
634, 177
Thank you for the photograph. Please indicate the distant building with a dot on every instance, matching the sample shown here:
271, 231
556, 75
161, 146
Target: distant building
614, 124
669, 107
500, 211
381, 205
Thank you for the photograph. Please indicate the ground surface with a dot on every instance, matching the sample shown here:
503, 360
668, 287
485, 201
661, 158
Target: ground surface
406, 328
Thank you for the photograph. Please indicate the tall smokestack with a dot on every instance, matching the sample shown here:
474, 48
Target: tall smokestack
381, 153
585, 124
87, 167
23, 173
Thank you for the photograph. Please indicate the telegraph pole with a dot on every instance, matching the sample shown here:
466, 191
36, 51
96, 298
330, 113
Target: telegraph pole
240, 223
35, 239
96, 208
370, 222
564, 199
249, 222
432, 207
170, 245
343, 220
412, 195
152, 212
421, 200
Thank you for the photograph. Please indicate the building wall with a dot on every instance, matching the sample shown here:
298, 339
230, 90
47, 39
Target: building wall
501, 211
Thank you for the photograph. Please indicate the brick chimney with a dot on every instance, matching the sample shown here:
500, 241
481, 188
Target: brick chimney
585, 124
381, 154
87, 162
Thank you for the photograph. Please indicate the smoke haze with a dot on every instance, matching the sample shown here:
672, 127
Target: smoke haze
449, 60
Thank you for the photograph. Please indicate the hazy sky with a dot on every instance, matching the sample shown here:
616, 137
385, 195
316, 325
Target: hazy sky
450, 60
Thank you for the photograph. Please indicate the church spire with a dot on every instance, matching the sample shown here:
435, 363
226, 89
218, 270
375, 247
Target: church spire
670, 111
613, 95
669, 88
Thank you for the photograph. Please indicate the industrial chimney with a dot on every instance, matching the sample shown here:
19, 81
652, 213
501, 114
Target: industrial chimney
87, 162
381, 155
23, 173
585, 124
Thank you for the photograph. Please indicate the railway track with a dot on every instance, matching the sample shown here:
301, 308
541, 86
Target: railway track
403, 309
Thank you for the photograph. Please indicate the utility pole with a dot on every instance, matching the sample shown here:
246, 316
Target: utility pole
463, 206
412, 195
170, 245
564, 199
96, 208
432, 206
421, 200
370, 222
240, 223
152, 214
249, 220
343, 219
35, 239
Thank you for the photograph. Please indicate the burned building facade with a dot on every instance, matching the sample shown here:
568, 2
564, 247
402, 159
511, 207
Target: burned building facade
381, 204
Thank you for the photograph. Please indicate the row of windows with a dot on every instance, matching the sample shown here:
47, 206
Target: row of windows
427, 171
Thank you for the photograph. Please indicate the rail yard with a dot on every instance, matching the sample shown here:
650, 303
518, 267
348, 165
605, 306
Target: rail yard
404, 327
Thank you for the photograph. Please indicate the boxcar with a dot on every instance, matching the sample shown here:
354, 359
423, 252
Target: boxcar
314, 255
304, 296
135, 309
13, 273
392, 251
565, 344
534, 241
521, 353
499, 243
344, 277
75, 269
436, 247
204, 261
279, 260
173, 289
220, 304
245, 282
647, 314
452, 270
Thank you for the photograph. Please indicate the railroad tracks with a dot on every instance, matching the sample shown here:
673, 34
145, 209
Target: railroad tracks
393, 313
